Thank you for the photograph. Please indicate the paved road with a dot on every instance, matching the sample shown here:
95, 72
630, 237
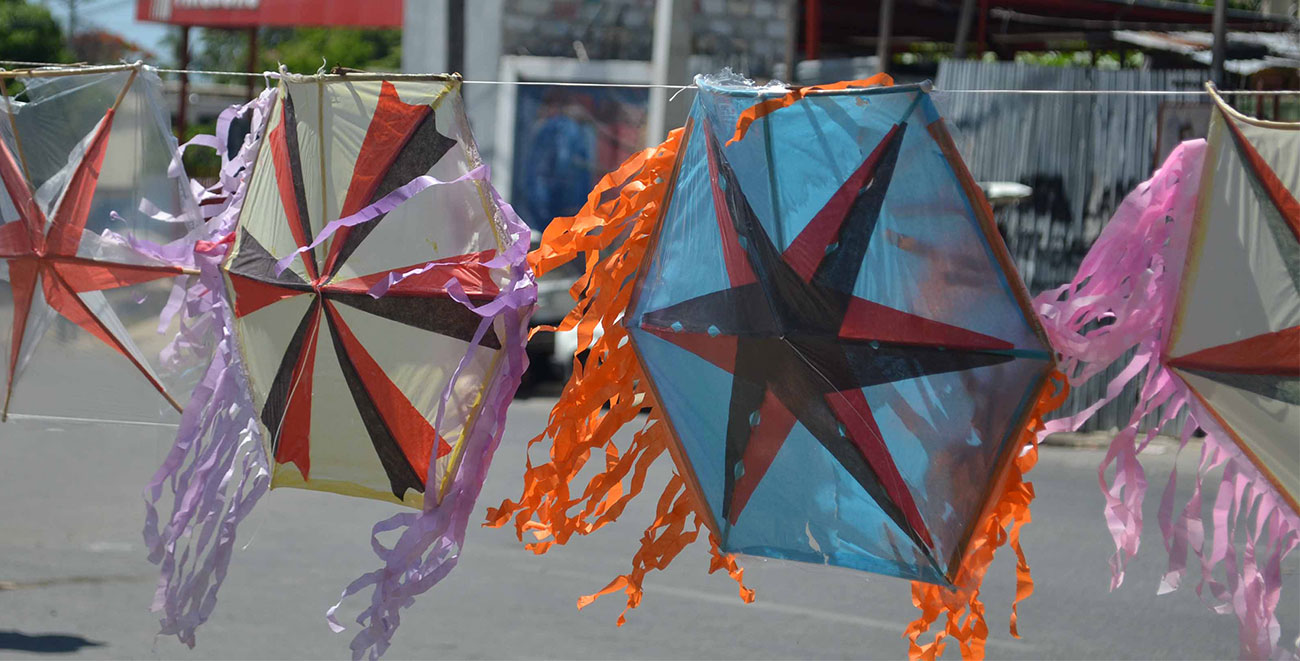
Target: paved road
75, 580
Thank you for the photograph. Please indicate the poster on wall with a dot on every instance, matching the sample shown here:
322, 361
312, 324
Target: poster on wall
566, 138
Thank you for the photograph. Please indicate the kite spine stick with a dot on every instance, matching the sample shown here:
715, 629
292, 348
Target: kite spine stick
984, 213
116, 343
999, 524
125, 88
324, 176
58, 72
675, 448
18, 141
1227, 109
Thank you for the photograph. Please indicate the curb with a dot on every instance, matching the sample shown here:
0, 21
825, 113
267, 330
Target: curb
1100, 440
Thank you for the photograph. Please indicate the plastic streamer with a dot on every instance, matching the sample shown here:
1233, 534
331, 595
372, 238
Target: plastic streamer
612, 233
430, 541
765, 108
1000, 525
1122, 299
216, 470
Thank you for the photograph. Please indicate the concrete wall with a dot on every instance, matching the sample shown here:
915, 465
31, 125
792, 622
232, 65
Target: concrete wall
424, 49
748, 35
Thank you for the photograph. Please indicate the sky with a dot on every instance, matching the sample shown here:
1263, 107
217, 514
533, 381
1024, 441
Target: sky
116, 16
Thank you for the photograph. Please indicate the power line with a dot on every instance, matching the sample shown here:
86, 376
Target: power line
48, 66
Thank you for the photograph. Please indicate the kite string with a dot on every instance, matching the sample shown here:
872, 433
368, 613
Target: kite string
527, 83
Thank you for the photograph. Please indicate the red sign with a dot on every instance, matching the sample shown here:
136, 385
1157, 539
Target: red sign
253, 13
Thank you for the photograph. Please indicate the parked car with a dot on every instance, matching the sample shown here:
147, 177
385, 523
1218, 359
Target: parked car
553, 303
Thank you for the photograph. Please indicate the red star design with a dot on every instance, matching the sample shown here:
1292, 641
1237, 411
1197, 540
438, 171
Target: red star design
50, 260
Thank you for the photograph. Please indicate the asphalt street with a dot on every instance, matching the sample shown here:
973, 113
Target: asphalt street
74, 582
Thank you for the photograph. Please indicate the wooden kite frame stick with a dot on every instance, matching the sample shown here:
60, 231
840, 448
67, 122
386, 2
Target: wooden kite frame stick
51, 72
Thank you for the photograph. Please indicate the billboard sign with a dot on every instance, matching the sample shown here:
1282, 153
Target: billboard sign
256, 13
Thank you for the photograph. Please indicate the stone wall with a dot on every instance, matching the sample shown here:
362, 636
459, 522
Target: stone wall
748, 35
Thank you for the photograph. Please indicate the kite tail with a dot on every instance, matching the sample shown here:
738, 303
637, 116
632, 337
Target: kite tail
217, 471
612, 233
431, 540
1122, 300
217, 468
193, 302
1000, 525
1250, 533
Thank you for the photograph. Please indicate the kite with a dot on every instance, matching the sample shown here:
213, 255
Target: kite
95, 225
842, 359
1199, 270
375, 301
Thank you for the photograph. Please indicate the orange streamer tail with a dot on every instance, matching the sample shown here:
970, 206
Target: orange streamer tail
612, 233
1007, 513
765, 108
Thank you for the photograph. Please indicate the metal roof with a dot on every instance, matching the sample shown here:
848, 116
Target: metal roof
1247, 52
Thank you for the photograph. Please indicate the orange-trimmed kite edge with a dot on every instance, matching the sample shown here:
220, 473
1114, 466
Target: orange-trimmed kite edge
608, 390
765, 108
1007, 512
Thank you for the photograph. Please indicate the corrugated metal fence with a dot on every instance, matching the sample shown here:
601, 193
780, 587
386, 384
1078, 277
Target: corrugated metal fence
1081, 154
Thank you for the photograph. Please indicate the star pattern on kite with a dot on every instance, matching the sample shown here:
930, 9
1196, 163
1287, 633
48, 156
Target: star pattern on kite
801, 346
401, 144
1260, 373
44, 264
1267, 364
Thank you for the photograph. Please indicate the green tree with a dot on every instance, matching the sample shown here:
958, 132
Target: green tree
302, 50
30, 34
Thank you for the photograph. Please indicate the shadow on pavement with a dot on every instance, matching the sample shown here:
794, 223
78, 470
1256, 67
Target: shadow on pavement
44, 643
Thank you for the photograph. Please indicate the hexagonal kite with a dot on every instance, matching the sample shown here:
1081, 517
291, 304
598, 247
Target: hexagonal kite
842, 353
1236, 333
1195, 282
374, 302
348, 384
90, 202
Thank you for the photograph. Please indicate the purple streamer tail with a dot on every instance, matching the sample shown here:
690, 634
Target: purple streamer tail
217, 469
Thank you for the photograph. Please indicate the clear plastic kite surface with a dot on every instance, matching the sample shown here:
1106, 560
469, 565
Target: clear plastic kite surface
94, 219
375, 299
842, 358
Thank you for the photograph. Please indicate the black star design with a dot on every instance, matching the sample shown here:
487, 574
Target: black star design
801, 346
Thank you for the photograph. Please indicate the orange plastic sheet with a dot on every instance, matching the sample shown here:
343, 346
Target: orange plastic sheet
1007, 513
760, 110
612, 233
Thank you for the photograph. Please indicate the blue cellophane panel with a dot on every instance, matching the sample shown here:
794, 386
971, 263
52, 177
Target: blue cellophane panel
806, 508
689, 263
928, 257
945, 433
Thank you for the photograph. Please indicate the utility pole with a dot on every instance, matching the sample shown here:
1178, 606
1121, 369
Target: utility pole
250, 87
885, 49
183, 112
964, 20
791, 38
72, 22
670, 53
456, 36
1220, 41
